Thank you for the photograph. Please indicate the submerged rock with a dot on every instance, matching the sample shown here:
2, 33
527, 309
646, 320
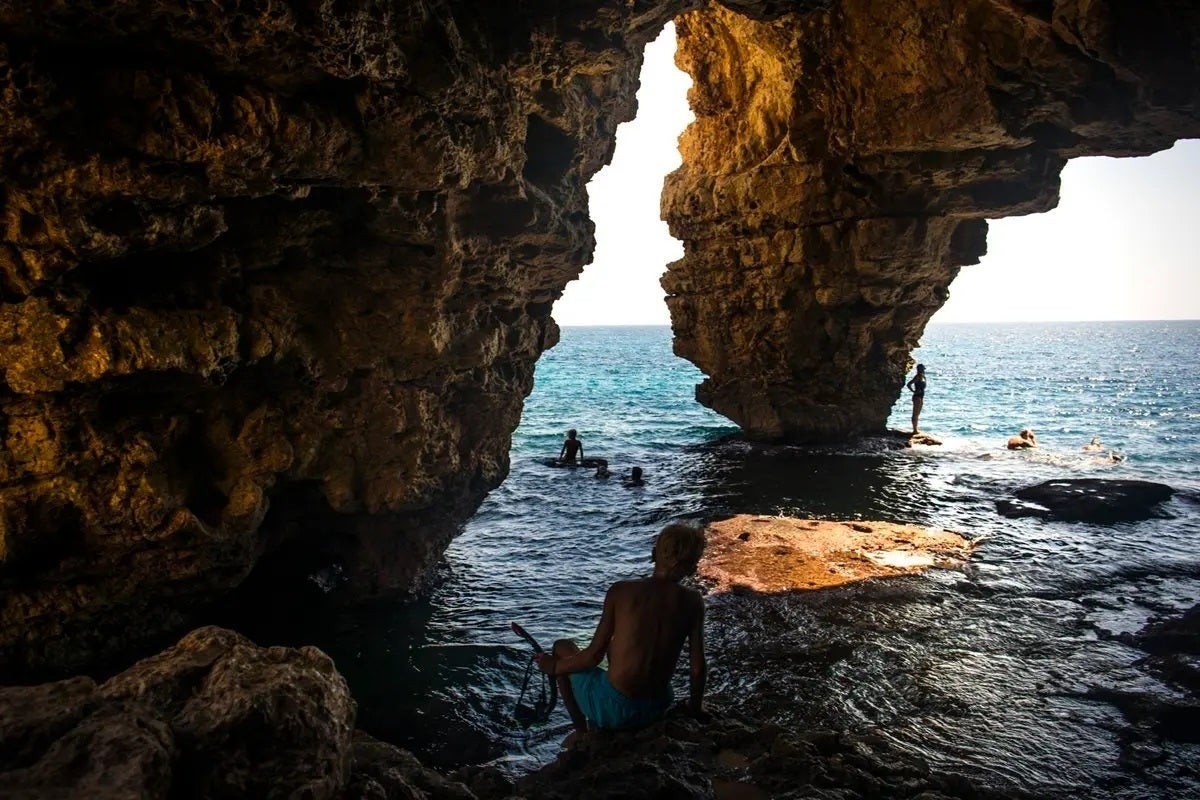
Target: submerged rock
1088, 500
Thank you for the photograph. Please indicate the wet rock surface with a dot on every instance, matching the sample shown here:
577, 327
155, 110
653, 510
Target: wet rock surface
730, 757
1096, 500
785, 554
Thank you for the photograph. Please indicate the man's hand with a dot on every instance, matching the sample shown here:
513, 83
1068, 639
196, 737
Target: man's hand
546, 662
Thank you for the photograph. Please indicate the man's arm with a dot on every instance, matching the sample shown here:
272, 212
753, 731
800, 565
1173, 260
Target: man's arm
591, 655
562, 452
699, 666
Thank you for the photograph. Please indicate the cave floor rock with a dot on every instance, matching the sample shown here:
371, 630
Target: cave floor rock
778, 554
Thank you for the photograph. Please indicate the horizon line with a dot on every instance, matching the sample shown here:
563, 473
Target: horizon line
953, 322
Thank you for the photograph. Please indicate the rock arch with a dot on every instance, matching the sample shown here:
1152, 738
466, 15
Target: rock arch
843, 165
274, 277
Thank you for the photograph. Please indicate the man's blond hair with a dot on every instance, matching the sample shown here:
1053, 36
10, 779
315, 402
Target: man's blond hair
678, 548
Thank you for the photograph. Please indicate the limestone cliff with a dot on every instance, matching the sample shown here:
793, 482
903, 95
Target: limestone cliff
274, 277
843, 165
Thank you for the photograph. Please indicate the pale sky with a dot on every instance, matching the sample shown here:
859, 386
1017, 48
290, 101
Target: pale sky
1123, 243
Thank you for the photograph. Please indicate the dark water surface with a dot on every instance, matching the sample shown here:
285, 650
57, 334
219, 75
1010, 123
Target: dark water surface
984, 671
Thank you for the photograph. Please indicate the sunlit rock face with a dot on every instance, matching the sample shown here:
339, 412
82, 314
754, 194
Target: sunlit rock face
274, 277
842, 166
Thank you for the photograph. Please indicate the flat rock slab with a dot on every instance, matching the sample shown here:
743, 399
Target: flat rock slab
778, 554
1088, 500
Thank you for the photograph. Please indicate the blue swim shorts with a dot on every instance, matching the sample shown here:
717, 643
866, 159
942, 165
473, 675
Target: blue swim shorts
605, 707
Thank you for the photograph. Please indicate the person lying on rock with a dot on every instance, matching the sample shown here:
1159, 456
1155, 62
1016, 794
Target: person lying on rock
642, 630
1022, 440
572, 447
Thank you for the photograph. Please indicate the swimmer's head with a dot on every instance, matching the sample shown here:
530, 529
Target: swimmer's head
635, 473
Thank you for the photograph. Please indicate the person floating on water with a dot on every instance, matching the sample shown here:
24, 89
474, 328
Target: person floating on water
642, 630
917, 387
634, 478
1094, 446
572, 447
1022, 440
602, 468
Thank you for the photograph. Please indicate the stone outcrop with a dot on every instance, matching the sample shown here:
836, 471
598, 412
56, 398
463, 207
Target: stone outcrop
843, 164
274, 276
212, 716
786, 554
1097, 500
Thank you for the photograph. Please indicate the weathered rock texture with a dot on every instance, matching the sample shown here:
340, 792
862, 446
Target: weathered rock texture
274, 277
786, 554
842, 166
213, 716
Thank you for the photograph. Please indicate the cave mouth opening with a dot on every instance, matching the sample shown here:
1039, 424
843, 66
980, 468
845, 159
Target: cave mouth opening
1118, 248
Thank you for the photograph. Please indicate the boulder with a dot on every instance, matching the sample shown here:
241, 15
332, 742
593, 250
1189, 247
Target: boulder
1088, 500
214, 716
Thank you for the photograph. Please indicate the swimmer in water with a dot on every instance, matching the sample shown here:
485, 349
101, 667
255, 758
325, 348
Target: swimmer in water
602, 468
1094, 446
1023, 440
634, 479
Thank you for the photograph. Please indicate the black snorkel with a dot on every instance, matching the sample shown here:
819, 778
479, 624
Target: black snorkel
539, 711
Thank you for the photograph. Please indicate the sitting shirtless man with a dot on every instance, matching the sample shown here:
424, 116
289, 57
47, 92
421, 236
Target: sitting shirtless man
642, 630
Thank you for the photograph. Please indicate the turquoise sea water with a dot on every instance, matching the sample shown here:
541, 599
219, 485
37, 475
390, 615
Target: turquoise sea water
982, 671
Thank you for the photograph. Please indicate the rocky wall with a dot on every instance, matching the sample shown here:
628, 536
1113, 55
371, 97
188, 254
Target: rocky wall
273, 281
843, 164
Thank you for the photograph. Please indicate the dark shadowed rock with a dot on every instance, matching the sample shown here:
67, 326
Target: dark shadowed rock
1088, 500
212, 717
734, 757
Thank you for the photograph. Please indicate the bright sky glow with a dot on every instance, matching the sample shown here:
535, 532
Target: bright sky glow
1124, 242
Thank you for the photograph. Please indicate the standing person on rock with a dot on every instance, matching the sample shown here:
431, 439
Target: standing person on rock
917, 387
642, 630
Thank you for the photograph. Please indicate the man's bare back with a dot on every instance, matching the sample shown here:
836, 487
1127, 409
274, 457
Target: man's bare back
652, 618
642, 630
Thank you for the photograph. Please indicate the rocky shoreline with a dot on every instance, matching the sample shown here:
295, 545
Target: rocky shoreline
216, 716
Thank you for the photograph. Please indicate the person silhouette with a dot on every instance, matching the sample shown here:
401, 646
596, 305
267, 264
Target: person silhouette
917, 387
572, 448
634, 479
